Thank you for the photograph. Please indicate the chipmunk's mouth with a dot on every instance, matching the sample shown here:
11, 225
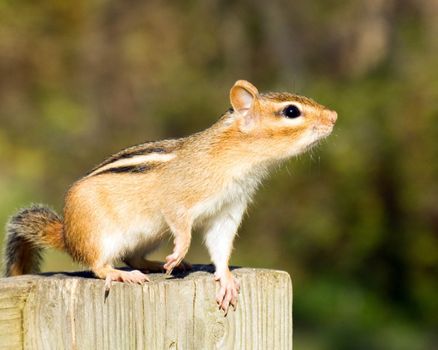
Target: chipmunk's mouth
319, 133
322, 131
311, 139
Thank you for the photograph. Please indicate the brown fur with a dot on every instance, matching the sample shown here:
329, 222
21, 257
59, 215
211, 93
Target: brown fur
27, 234
286, 97
244, 142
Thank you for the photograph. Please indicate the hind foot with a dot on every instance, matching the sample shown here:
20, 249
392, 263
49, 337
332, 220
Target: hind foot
111, 274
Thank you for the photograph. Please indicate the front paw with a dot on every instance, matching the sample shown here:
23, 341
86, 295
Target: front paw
228, 291
172, 261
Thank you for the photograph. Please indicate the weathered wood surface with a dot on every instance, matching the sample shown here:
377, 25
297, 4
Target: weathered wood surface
69, 311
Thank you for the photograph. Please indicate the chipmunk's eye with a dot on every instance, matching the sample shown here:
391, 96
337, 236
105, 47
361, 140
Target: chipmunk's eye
291, 111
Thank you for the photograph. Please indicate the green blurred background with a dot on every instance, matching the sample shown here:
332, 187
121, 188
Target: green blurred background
355, 223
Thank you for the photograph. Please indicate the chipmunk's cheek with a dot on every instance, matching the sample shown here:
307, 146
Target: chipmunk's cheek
303, 141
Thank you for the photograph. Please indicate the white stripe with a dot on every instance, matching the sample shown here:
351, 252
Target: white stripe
136, 160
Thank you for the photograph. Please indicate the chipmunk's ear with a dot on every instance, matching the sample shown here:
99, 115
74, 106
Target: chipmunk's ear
242, 95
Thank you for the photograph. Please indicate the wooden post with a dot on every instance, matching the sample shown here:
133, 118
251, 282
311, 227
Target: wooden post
69, 311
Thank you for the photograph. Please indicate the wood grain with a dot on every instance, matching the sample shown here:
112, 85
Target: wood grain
69, 311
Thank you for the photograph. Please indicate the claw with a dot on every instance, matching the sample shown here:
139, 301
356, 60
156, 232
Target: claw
108, 281
228, 292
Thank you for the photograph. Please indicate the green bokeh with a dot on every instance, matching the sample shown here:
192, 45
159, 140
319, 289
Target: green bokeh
355, 222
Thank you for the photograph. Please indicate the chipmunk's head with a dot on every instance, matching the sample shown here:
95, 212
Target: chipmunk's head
283, 124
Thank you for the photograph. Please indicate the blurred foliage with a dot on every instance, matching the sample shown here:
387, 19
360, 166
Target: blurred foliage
355, 222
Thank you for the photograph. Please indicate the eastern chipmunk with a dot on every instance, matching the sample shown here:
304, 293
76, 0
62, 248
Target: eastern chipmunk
122, 208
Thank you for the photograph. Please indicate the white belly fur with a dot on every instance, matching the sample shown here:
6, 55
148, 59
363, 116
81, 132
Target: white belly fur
139, 235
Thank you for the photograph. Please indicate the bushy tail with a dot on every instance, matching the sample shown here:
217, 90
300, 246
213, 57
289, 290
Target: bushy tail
27, 234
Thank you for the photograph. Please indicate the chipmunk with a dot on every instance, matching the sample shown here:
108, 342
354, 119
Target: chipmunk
123, 207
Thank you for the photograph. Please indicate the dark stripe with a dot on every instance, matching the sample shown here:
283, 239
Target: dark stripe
139, 153
133, 153
129, 153
131, 169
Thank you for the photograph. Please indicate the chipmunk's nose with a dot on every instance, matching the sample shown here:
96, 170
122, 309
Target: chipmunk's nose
332, 116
